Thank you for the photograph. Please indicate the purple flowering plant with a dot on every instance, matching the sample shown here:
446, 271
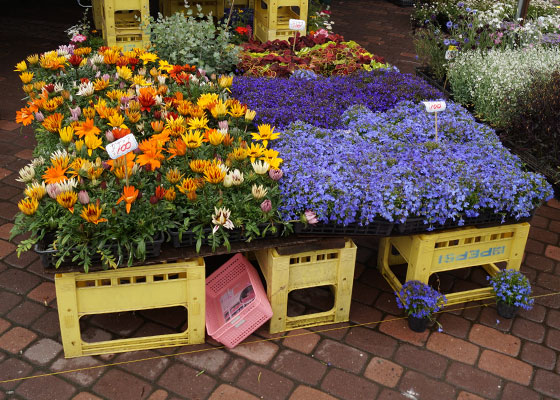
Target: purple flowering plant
419, 300
388, 165
321, 101
512, 288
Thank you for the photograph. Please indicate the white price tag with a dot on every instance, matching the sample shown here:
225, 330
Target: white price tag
451, 54
297, 24
122, 146
434, 106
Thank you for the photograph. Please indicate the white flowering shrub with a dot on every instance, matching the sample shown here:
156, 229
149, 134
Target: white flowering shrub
484, 79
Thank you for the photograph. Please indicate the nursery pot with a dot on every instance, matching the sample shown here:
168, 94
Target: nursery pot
418, 324
506, 310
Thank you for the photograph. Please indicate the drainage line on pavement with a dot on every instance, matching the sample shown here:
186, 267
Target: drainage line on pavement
241, 344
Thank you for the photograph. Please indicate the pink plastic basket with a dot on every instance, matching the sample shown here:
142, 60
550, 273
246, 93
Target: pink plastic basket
236, 302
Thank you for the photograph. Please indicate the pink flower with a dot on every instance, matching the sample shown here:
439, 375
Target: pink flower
223, 125
266, 206
83, 197
275, 174
311, 217
110, 137
78, 38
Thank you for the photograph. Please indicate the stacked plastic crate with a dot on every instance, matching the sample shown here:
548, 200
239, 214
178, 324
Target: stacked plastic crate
272, 18
124, 23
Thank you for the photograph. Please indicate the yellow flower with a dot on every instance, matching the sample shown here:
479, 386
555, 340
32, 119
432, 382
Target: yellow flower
219, 109
239, 154
26, 77
66, 134
198, 166
271, 157
206, 99
36, 190
28, 206
60, 159
255, 151
187, 185
133, 116
148, 57
124, 73
100, 84
33, 59
92, 213
214, 173
116, 120
237, 110
173, 175
215, 137
139, 80
165, 66
198, 123
170, 194
225, 81
79, 145
266, 133
193, 139
89, 112
67, 200
92, 143
21, 66
176, 126
250, 115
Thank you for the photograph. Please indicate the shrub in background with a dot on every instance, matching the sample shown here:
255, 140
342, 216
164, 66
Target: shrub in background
186, 39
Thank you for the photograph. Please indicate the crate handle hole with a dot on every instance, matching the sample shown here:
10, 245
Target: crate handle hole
158, 278
140, 279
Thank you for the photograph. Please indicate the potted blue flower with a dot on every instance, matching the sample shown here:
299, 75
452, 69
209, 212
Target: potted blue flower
419, 301
512, 290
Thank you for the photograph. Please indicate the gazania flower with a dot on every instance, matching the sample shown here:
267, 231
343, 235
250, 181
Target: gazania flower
133, 116
116, 121
160, 192
28, 206
24, 116
177, 148
26, 77
92, 142
119, 133
148, 57
36, 190
92, 213
271, 157
275, 174
67, 200
85, 89
21, 66
260, 167
53, 122
83, 197
237, 110
124, 73
198, 123
100, 84
33, 59
219, 109
119, 162
239, 154
146, 99
214, 173
157, 126
87, 128
193, 139
176, 126
255, 151
250, 115
206, 99
130, 193
215, 137
225, 81
89, 112
173, 175
60, 158
198, 166
221, 218
170, 194
259, 191
26, 174
66, 134
55, 174
266, 133
187, 185
52, 104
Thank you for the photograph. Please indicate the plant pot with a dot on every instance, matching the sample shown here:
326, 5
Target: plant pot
418, 324
506, 310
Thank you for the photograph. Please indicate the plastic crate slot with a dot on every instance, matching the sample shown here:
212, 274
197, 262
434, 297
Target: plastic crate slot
506, 235
159, 278
104, 282
140, 279
294, 260
320, 257
310, 300
88, 283
332, 256
124, 281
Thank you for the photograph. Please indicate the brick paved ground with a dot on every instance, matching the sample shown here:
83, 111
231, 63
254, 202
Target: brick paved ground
477, 356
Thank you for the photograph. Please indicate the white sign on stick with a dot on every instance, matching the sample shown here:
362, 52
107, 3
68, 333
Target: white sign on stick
435, 106
297, 24
122, 146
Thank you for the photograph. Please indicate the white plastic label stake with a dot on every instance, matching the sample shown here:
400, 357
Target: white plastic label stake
435, 106
122, 146
297, 24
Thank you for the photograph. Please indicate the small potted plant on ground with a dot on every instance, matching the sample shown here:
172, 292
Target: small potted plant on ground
419, 301
512, 290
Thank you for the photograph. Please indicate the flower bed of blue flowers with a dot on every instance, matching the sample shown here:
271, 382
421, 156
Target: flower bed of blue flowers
389, 165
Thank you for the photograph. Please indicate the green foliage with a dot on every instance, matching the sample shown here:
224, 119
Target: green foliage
186, 39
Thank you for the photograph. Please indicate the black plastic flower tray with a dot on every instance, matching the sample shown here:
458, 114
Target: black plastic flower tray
487, 219
377, 228
48, 255
188, 238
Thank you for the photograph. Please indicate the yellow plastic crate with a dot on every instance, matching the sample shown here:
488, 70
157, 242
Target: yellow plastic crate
97, 12
333, 267
271, 20
429, 253
130, 289
170, 7
125, 23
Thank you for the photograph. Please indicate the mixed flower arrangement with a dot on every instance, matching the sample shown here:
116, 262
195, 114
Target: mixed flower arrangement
199, 164
419, 300
512, 288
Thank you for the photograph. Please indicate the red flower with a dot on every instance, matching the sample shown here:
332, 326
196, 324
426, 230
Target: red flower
75, 60
241, 30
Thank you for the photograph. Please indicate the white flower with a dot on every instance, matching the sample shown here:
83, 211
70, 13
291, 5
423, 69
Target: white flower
259, 191
260, 167
85, 89
237, 177
161, 79
26, 174
58, 87
221, 218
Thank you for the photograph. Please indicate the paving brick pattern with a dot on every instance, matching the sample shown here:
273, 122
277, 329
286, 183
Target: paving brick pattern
478, 355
